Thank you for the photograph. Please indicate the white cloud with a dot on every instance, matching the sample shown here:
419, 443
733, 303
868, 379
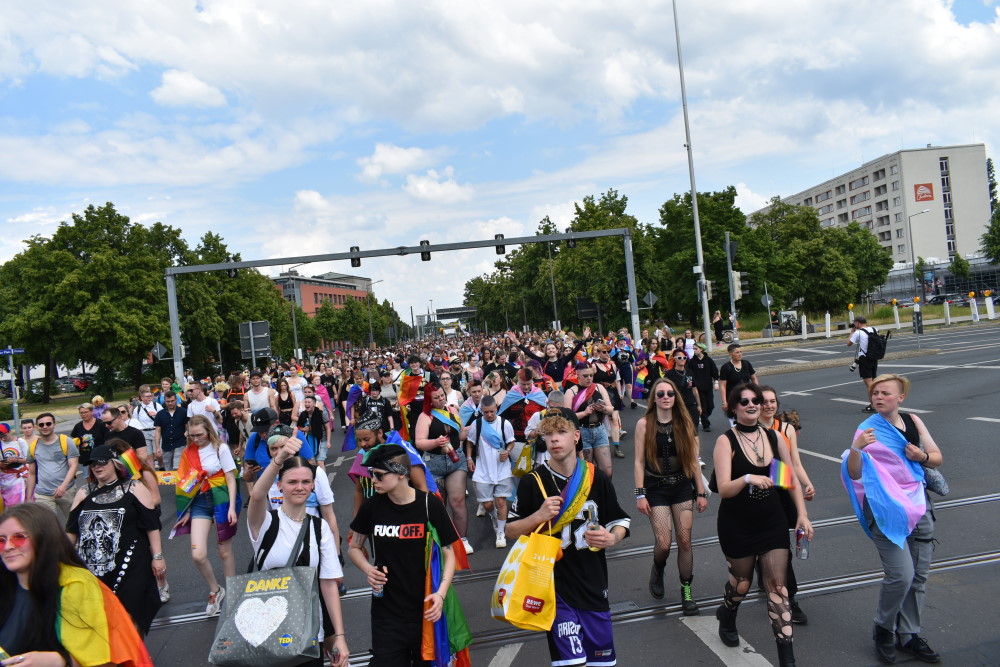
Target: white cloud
391, 159
432, 187
184, 89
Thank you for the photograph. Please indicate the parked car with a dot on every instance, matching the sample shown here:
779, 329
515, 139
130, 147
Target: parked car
65, 384
81, 383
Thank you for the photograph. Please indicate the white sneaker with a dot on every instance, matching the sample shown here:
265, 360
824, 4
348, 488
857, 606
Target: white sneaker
165, 593
468, 547
215, 602
481, 511
501, 541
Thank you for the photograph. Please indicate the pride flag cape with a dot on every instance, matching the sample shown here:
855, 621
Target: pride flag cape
515, 394
582, 397
641, 376
353, 394
892, 484
781, 474
192, 479
573, 495
92, 624
467, 412
409, 386
131, 461
446, 641
445, 418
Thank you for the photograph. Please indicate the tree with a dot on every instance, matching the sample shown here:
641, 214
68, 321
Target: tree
919, 268
989, 243
991, 177
870, 261
960, 267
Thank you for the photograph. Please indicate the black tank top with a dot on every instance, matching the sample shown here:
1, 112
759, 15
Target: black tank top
666, 452
911, 433
436, 430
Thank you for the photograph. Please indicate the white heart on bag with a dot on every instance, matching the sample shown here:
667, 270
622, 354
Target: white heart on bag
256, 619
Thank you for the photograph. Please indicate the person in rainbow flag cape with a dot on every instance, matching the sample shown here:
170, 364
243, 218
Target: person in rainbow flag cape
883, 473
580, 507
416, 618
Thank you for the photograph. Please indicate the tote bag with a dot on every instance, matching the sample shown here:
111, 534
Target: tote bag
270, 618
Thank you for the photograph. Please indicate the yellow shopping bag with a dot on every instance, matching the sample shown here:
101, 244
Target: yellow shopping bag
525, 462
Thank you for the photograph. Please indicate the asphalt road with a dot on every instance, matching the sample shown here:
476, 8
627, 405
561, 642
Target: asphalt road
953, 391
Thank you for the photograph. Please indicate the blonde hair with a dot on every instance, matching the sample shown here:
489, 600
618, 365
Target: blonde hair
202, 420
97, 400
904, 384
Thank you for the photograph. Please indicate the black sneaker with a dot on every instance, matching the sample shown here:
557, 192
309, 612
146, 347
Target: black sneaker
918, 648
885, 646
798, 616
868, 408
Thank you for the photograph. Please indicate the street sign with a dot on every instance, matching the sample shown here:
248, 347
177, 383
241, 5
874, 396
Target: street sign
159, 351
766, 300
255, 339
585, 308
12, 350
650, 299
455, 313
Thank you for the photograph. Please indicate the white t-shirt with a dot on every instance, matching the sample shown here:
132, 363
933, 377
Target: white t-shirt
860, 338
489, 468
15, 449
322, 494
454, 397
140, 415
198, 408
295, 385
540, 457
213, 461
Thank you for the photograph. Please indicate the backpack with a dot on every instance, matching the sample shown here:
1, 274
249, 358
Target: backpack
877, 343
63, 444
479, 433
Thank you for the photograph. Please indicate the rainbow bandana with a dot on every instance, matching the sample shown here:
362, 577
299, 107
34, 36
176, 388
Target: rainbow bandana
781, 474
192, 480
892, 484
573, 495
445, 418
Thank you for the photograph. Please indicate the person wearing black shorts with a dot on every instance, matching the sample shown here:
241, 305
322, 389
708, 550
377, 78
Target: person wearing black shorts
669, 484
867, 368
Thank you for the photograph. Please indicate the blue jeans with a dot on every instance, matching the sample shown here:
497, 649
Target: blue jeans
594, 437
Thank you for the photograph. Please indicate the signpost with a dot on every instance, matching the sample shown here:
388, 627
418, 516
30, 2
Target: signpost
159, 351
10, 352
255, 340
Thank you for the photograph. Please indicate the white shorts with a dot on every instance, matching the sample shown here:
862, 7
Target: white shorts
486, 492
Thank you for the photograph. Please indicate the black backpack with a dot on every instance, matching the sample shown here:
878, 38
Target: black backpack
877, 343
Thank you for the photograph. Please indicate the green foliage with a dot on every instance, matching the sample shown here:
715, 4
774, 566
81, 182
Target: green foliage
919, 268
991, 177
989, 243
960, 267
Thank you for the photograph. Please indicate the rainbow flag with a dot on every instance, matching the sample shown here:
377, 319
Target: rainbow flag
409, 387
131, 460
892, 484
93, 626
192, 480
445, 643
642, 375
781, 474
573, 495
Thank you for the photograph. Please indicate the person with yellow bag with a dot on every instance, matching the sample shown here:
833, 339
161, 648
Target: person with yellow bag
569, 498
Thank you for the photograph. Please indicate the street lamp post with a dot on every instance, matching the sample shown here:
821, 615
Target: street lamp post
368, 300
917, 280
295, 302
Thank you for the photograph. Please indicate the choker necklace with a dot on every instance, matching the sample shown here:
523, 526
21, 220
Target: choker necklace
283, 511
744, 428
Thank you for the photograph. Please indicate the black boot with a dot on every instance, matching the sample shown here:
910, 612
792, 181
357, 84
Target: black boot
688, 604
798, 616
656, 582
885, 644
727, 626
786, 656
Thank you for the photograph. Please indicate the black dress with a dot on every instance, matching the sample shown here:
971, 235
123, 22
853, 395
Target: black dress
111, 526
753, 521
285, 409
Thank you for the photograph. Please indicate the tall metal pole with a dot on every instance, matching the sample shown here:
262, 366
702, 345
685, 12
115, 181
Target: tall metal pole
732, 289
633, 298
175, 327
524, 307
552, 278
13, 388
371, 331
694, 190
917, 280
295, 331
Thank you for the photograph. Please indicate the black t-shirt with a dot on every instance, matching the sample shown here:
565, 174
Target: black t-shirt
87, 440
15, 628
733, 377
581, 574
684, 382
704, 371
330, 382
129, 434
371, 408
397, 535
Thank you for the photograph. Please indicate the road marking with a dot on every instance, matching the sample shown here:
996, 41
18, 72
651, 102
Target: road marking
795, 393
990, 367
706, 628
331, 476
984, 419
505, 656
793, 361
807, 349
824, 456
933, 367
901, 408
340, 459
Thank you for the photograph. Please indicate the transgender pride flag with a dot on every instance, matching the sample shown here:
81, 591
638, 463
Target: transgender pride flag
892, 484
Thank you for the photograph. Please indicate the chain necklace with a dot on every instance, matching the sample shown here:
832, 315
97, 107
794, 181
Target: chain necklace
285, 512
753, 445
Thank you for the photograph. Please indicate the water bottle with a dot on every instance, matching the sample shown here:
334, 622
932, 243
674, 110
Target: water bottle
801, 544
378, 591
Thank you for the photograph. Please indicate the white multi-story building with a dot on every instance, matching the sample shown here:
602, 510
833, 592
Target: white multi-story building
889, 196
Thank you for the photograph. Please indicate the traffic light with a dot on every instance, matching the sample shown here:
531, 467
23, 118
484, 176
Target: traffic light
741, 285
570, 243
708, 290
425, 256
744, 283
501, 249
627, 305
355, 261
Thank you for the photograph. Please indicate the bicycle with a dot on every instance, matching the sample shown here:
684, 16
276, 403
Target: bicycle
790, 325
728, 336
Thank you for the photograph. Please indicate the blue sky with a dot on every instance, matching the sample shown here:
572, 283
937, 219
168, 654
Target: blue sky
308, 127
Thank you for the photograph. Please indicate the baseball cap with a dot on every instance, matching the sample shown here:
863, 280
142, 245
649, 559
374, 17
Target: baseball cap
102, 453
262, 420
4, 429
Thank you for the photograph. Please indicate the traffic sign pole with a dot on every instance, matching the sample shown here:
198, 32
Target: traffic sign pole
10, 352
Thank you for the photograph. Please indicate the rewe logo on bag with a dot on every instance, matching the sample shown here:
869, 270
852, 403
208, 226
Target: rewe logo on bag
532, 605
501, 594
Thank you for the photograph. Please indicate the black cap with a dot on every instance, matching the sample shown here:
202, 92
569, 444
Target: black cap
262, 420
102, 453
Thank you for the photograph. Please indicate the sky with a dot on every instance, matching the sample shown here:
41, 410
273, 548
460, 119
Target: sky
309, 126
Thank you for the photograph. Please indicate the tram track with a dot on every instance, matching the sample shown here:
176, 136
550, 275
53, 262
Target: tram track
619, 554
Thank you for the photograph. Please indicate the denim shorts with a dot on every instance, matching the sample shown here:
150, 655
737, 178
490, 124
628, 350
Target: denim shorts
441, 466
596, 436
322, 450
203, 507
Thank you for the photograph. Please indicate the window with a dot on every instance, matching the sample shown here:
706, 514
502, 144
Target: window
841, 189
896, 201
945, 182
946, 198
943, 164
883, 221
949, 229
879, 175
899, 217
880, 190
825, 209
823, 196
841, 203
895, 186
881, 206
861, 196
948, 214
861, 212
808, 201
893, 169
952, 247
900, 233
858, 182
827, 223
842, 217
901, 248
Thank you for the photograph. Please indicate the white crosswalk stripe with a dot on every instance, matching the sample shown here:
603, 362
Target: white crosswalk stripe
706, 628
901, 408
812, 351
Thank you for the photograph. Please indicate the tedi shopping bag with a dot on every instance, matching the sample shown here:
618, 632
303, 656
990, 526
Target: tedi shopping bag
270, 618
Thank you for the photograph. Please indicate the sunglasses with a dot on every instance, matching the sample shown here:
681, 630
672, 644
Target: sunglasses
378, 475
680, 356
669, 393
100, 462
107, 422
747, 401
45, 424
17, 540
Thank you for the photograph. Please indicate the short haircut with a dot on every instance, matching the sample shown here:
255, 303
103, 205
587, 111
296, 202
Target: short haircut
861, 319
475, 383
414, 359
169, 394
524, 375
45, 414
733, 346
27, 420
487, 402
904, 383
556, 397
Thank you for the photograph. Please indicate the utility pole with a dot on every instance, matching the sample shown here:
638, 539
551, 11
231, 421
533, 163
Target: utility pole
732, 288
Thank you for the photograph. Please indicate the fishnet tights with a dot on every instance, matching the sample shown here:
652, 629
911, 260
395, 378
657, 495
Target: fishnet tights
774, 565
663, 518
